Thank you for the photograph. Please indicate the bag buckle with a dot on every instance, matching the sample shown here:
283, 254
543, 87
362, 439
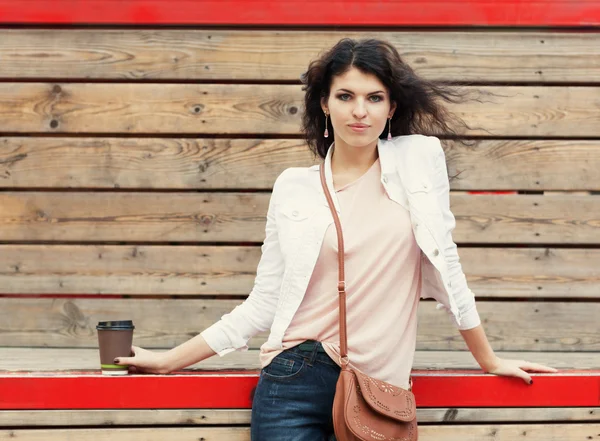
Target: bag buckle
344, 361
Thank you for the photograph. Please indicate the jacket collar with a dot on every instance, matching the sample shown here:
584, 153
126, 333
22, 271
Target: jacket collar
386, 161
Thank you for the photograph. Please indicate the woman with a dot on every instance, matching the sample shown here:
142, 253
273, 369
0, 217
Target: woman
365, 115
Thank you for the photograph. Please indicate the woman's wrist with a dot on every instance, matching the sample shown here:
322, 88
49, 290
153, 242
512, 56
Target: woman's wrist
164, 363
489, 364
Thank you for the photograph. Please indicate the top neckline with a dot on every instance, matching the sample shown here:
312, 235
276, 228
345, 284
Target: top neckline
360, 178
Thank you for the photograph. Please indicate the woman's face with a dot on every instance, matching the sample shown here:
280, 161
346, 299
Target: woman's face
360, 99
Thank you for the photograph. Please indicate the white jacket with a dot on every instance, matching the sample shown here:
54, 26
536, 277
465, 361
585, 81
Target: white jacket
414, 175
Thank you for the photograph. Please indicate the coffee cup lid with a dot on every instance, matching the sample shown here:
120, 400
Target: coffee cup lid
116, 325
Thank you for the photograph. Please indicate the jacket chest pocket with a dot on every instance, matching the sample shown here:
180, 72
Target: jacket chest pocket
421, 197
293, 218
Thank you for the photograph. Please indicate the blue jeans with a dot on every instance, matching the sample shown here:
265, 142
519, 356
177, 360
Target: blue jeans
294, 397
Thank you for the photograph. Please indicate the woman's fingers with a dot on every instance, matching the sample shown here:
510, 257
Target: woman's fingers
136, 351
524, 375
535, 367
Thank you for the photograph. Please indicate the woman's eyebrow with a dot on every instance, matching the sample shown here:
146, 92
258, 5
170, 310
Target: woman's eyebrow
346, 90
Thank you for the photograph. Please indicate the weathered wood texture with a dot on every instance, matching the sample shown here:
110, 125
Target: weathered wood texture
21, 359
139, 163
199, 54
239, 217
164, 270
59, 107
216, 164
164, 323
205, 417
467, 432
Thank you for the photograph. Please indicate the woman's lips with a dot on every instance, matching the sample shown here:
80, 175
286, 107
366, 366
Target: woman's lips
359, 129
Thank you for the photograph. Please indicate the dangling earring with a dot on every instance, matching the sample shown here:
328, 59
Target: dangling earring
390, 130
326, 134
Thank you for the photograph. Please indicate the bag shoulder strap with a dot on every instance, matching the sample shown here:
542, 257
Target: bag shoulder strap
341, 276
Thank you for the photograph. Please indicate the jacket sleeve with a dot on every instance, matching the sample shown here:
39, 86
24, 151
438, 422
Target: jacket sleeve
465, 299
257, 312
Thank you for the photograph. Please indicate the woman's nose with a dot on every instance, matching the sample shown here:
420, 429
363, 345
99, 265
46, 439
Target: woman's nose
359, 111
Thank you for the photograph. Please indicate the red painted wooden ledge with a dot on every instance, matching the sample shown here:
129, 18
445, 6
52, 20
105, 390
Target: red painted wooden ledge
233, 390
306, 12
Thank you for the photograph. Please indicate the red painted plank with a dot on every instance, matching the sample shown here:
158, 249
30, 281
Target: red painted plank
306, 12
233, 390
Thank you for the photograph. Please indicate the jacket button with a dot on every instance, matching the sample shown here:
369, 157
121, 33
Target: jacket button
425, 186
295, 213
436, 252
385, 179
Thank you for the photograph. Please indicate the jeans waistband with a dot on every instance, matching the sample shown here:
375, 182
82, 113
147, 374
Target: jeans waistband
309, 346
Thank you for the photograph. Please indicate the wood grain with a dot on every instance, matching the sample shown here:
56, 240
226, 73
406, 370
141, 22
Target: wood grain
205, 163
270, 109
26, 359
230, 270
154, 163
240, 217
164, 323
147, 217
202, 417
465, 432
169, 54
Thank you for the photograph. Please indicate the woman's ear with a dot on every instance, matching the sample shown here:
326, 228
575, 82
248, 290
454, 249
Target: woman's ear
324, 105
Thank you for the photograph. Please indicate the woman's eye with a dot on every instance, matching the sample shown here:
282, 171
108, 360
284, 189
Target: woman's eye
374, 98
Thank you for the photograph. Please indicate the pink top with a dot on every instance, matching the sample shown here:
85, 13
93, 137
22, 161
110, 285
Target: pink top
383, 276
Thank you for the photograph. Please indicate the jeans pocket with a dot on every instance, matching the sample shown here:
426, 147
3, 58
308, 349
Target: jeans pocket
283, 367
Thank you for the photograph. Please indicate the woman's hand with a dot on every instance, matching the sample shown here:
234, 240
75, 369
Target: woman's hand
144, 362
517, 368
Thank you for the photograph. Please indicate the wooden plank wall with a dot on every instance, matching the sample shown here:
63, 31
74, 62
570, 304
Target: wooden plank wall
136, 167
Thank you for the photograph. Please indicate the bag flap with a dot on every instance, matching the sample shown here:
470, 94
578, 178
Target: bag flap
384, 398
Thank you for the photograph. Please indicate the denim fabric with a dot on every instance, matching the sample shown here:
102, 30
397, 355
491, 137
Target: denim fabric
294, 397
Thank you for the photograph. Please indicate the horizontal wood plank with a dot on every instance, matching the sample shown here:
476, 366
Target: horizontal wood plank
239, 217
139, 217
524, 164
27, 359
149, 163
174, 54
164, 323
269, 109
230, 270
201, 417
205, 163
497, 432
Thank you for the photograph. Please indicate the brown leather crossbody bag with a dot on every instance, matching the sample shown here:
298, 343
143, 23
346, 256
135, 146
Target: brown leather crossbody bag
365, 408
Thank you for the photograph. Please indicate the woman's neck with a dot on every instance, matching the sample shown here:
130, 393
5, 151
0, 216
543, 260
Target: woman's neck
346, 160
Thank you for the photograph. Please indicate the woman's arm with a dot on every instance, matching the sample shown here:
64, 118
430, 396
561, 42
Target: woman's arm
190, 352
470, 326
235, 328
257, 312
480, 347
464, 297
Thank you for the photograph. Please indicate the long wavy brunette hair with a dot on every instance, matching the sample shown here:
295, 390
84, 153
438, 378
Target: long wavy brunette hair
419, 101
